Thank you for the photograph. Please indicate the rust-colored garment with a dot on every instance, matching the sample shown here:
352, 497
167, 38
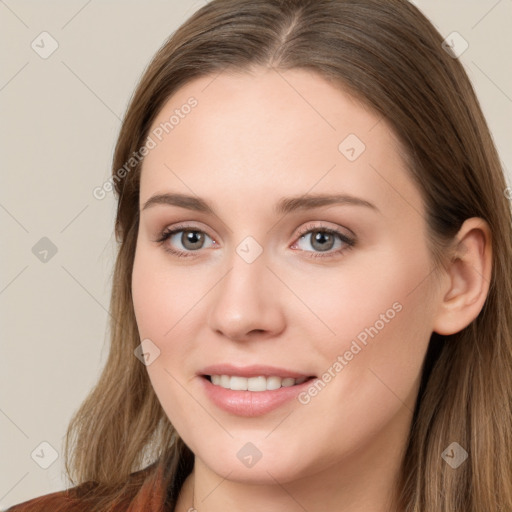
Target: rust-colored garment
148, 494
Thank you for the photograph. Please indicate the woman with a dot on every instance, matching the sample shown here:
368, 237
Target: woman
311, 305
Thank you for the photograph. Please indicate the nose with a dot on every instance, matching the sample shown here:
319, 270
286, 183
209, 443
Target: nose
247, 302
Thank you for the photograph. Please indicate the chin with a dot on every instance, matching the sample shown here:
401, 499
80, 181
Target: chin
234, 463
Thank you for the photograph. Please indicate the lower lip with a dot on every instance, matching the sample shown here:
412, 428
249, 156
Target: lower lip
251, 403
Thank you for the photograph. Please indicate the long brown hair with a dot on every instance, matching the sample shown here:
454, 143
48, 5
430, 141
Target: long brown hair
387, 54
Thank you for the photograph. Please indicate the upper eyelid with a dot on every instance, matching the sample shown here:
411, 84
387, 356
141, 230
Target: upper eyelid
308, 227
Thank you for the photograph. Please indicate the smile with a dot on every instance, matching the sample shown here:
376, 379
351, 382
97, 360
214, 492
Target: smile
259, 383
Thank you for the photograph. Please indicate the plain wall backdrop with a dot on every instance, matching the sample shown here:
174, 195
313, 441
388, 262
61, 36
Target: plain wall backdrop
69, 69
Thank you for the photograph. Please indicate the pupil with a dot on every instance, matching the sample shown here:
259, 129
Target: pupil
321, 237
193, 238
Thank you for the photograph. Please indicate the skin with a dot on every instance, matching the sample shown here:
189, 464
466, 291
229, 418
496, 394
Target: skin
252, 139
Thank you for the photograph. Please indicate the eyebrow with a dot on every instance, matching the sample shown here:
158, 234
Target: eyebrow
284, 206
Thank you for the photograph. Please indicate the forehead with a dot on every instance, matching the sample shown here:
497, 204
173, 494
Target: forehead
275, 132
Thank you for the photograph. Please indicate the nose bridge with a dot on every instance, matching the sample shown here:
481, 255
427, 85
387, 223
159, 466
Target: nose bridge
245, 298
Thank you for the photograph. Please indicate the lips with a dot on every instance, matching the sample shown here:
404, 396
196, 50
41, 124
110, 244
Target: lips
252, 371
251, 390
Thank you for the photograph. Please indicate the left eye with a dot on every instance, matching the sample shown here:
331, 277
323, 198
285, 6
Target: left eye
323, 240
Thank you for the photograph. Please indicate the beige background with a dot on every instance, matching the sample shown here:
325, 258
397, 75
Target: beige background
59, 121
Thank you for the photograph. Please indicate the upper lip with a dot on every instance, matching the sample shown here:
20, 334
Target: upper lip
251, 371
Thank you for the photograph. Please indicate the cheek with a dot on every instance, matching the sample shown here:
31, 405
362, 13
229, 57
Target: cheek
377, 316
148, 297
369, 292
158, 310
373, 364
162, 295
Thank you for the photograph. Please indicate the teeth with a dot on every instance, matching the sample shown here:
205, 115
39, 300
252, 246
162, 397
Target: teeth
287, 382
238, 383
273, 383
254, 383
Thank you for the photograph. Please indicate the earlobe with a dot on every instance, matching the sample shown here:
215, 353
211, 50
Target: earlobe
467, 278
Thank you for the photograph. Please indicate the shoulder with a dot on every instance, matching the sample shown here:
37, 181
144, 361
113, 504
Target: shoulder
60, 501
88, 496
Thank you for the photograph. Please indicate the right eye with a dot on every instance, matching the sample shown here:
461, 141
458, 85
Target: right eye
190, 239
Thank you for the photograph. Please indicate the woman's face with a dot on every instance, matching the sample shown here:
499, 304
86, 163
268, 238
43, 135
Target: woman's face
264, 288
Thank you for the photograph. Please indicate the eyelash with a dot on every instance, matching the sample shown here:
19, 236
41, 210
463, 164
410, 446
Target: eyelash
350, 242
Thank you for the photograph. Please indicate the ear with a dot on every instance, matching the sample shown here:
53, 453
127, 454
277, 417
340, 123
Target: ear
466, 282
